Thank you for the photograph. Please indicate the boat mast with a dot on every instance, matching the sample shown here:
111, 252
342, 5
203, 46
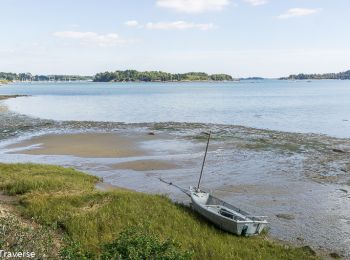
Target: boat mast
205, 156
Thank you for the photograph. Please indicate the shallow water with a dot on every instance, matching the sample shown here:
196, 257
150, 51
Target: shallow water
307, 107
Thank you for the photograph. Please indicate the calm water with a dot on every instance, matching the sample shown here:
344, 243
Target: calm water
317, 106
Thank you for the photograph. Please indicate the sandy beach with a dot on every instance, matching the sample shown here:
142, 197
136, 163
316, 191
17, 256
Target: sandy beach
106, 145
96, 145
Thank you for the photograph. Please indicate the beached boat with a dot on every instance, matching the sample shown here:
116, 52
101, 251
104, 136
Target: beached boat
226, 216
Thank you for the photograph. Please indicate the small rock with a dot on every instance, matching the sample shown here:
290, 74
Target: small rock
338, 150
151, 133
309, 250
285, 216
335, 255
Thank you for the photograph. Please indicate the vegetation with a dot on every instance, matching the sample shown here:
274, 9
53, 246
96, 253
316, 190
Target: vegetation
118, 76
30, 77
151, 76
340, 75
17, 236
124, 223
134, 243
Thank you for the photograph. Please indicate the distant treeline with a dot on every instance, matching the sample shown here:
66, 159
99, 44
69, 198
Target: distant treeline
30, 77
154, 76
341, 75
120, 76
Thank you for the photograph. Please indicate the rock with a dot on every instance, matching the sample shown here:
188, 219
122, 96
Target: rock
338, 150
335, 255
285, 216
151, 133
309, 250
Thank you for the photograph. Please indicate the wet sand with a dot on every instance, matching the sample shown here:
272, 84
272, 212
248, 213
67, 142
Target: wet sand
90, 145
145, 165
95, 145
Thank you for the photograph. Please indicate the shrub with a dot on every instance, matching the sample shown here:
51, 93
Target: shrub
134, 243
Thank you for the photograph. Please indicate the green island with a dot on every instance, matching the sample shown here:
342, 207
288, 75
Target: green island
160, 76
59, 213
341, 75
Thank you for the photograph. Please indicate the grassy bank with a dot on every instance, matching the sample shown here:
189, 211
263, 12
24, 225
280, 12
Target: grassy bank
66, 201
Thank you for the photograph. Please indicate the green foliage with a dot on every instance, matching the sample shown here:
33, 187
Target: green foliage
8, 76
65, 199
135, 243
73, 251
340, 75
152, 76
30, 77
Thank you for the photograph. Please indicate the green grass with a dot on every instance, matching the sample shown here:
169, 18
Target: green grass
66, 199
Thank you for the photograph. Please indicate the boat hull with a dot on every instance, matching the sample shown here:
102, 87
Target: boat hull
245, 227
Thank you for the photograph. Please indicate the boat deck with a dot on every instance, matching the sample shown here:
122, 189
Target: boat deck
226, 212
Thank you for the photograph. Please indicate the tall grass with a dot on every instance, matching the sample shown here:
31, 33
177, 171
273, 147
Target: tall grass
66, 199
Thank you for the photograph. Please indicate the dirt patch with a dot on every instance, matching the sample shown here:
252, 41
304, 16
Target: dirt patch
6, 199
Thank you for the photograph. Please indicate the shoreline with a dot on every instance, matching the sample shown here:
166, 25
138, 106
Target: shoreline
137, 164
3, 97
160, 138
84, 188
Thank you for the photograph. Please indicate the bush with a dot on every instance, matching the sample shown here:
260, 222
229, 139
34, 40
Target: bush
134, 243
73, 251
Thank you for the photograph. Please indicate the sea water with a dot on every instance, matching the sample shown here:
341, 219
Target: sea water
320, 106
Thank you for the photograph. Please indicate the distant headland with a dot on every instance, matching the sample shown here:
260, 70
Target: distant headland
341, 75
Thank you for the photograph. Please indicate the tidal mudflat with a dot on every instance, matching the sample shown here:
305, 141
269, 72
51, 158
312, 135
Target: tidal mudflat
300, 181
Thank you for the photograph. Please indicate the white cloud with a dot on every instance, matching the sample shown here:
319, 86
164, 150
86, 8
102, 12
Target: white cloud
176, 25
194, 6
102, 40
256, 2
179, 25
132, 23
298, 12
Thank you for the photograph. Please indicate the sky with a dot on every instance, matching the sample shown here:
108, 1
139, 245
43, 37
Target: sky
268, 38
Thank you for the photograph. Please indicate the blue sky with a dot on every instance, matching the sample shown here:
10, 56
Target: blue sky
268, 38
